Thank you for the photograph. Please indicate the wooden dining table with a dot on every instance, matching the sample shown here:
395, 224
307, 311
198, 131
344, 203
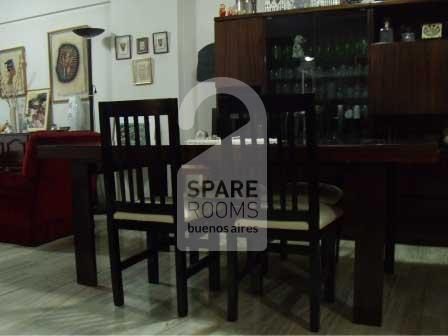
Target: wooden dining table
365, 168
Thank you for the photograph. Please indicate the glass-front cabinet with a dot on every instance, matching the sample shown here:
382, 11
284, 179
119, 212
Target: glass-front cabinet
325, 54
368, 65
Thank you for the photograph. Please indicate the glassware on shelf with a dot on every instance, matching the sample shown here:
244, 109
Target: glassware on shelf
387, 32
278, 88
331, 90
286, 89
289, 74
254, 8
297, 88
340, 93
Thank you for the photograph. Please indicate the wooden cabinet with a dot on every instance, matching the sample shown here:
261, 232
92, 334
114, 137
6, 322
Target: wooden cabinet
409, 78
241, 50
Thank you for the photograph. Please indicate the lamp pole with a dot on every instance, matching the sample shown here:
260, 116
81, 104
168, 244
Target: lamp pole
91, 98
88, 33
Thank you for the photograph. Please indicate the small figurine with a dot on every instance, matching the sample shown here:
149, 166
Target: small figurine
297, 50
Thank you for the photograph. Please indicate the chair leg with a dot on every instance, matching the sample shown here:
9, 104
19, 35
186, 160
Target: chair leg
152, 240
254, 273
315, 286
389, 254
260, 271
115, 263
283, 248
389, 258
330, 281
181, 283
265, 262
214, 270
232, 274
338, 241
194, 257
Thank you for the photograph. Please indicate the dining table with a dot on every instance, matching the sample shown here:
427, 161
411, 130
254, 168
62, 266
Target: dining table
366, 173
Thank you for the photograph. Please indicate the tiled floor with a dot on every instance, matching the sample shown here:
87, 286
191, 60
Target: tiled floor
39, 295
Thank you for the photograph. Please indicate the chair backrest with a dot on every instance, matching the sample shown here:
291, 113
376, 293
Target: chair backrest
292, 121
140, 143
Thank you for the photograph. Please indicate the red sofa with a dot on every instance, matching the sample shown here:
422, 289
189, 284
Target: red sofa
36, 205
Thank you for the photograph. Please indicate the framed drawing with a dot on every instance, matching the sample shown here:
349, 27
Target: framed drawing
13, 72
68, 65
432, 31
123, 47
143, 45
160, 41
37, 109
142, 69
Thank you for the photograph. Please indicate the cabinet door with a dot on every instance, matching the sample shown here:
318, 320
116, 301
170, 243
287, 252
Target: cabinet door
241, 50
409, 78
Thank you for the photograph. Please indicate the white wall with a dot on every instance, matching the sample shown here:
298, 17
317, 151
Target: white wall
23, 9
141, 18
32, 34
190, 24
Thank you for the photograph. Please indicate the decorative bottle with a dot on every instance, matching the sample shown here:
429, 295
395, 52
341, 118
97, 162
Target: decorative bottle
387, 32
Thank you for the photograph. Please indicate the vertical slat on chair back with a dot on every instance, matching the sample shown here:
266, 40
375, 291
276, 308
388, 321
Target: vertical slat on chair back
286, 201
140, 159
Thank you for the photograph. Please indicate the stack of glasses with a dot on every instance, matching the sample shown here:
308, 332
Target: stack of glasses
278, 5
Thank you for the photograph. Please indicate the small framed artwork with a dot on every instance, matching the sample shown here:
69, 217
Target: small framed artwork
161, 45
123, 47
432, 31
13, 71
37, 110
142, 69
143, 45
68, 65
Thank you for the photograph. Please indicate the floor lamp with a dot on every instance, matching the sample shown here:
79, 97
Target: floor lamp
89, 33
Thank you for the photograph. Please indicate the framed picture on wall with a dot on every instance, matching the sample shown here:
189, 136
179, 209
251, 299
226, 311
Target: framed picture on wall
123, 47
37, 110
160, 41
142, 69
13, 71
68, 65
143, 45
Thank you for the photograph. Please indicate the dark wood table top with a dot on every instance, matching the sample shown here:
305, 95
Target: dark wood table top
350, 153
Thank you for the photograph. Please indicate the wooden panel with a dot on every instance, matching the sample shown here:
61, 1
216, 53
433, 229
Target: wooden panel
409, 78
241, 50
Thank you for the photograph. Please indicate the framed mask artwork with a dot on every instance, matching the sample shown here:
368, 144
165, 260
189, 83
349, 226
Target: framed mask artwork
68, 65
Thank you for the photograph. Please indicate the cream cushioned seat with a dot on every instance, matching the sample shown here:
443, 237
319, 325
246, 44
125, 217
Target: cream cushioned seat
154, 218
328, 193
328, 214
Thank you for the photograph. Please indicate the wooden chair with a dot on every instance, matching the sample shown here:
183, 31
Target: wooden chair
140, 168
292, 216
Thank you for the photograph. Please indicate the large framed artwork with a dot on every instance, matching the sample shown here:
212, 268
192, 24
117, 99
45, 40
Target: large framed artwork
37, 110
68, 65
13, 71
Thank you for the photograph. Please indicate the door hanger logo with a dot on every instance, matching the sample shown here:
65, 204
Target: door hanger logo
221, 194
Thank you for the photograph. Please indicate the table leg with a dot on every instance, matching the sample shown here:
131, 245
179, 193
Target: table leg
365, 189
84, 226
